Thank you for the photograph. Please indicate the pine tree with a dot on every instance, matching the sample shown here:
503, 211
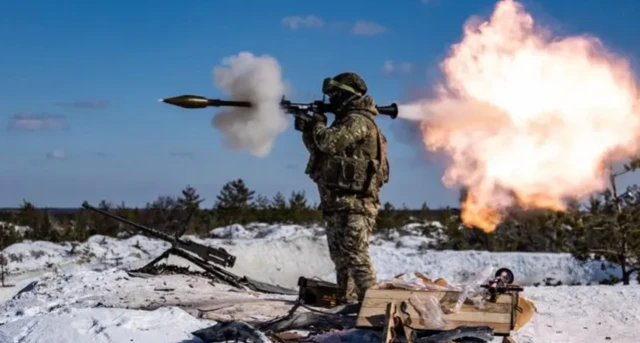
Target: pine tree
235, 195
262, 203
29, 216
298, 201
297, 206
189, 203
279, 209
610, 231
190, 198
279, 201
234, 203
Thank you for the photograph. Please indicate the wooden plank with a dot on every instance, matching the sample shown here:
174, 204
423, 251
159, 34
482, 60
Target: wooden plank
496, 315
402, 294
388, 332
482, 317
446, 306
377, 321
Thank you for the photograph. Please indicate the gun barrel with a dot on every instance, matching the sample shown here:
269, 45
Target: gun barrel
128, 222
216, 255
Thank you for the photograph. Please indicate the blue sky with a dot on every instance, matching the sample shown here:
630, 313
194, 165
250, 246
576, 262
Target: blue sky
84, 76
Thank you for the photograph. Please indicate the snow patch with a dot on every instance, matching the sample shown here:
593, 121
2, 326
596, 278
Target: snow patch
106, 325
39, 255
264, 231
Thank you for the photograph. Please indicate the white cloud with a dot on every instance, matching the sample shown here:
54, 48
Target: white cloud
391, 67
57, 154
299, 22
357, 28
37, 121
367, 28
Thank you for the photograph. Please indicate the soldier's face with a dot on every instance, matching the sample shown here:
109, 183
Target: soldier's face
332, 93
334, 97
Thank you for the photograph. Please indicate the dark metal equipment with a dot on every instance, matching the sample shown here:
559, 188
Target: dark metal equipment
207, 258
317, 293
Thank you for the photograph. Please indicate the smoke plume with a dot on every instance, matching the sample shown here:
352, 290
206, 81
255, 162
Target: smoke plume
258, 79
528, 119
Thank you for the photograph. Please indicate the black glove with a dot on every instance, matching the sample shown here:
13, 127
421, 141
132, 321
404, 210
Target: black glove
301, 123
319, 117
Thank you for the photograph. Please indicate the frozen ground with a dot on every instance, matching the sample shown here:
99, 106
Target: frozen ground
85, 295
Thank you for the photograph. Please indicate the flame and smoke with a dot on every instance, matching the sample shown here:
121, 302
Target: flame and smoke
528, 119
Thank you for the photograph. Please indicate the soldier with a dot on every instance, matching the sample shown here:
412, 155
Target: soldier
348, 162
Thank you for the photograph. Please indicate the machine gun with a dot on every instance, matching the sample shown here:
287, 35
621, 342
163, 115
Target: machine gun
297, 109
202, 256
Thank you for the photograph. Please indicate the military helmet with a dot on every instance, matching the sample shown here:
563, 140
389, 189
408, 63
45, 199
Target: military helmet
350, 82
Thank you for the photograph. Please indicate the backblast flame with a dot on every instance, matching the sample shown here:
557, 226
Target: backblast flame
528, 119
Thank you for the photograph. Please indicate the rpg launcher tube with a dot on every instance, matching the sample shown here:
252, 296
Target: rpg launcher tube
196, 101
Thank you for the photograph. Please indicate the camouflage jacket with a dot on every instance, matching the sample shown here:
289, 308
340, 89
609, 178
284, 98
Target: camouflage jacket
354, 135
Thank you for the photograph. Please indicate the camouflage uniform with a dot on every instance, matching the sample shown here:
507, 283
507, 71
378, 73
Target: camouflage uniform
348, 161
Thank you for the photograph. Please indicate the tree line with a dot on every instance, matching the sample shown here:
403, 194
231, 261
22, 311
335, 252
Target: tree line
606, 229
235, 204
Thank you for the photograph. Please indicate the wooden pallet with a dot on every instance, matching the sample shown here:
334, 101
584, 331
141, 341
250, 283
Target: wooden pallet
499, 315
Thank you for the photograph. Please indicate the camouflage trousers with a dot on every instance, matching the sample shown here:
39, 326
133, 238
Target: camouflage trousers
348, 240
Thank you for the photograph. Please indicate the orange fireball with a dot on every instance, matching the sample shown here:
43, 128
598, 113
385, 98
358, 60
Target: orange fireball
528, 119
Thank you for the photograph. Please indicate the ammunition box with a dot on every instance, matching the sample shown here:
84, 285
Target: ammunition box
318, 293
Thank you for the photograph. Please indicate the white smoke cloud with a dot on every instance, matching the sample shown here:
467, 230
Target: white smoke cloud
258, 79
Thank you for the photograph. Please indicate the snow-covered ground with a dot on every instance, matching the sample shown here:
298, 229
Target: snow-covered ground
84, 293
